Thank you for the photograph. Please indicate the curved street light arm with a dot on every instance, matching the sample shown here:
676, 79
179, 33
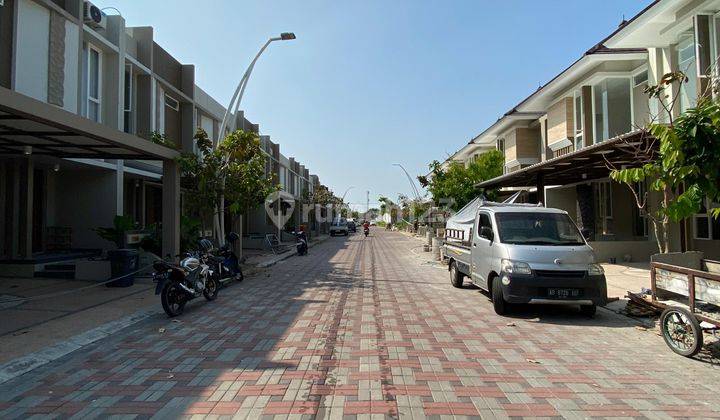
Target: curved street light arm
237, 96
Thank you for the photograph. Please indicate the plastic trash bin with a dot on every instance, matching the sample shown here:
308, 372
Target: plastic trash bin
122, 262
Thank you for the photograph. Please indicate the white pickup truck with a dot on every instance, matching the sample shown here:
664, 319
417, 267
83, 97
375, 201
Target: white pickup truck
526, 254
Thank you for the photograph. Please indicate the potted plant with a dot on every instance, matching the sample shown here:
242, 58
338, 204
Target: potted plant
123, 261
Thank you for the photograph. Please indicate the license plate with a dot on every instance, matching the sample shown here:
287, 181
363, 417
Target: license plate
563, 293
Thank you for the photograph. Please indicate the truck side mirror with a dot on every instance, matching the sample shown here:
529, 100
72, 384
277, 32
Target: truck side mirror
487, 233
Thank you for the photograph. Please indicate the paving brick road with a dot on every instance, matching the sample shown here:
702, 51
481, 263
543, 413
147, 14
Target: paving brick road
364, 326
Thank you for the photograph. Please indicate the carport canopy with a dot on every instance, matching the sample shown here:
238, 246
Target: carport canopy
49, 130
30, 127
633, 149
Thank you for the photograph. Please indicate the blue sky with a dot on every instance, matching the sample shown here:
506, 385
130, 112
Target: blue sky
375, 82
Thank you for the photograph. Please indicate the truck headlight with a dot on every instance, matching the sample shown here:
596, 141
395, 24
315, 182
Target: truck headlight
595, 270
515, 267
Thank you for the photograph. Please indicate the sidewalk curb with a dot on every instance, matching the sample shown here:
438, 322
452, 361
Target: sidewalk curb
25, 364
289, 254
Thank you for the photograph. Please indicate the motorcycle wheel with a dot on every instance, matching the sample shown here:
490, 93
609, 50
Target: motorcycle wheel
173, 300
211, 288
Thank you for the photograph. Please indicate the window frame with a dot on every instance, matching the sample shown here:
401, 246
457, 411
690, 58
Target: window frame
175, 107
88, 98
642, 70
129, 100
682, 39
606, 120
480, 226
578, 123
708, 219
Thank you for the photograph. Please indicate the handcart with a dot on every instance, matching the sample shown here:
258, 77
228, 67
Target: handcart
689, 300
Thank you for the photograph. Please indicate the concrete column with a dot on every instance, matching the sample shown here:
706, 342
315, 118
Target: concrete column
26, 184
142, 204
171, 208
187, 126
3, 204
588, 125
14, 195
120, 188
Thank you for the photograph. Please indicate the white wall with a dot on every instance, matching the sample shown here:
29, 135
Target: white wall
206, 124
72, 44
33, 42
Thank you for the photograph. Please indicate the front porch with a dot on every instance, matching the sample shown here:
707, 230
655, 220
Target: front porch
578, 182
62, 176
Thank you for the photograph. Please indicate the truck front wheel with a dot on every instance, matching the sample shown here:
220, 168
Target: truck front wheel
498, 300
455, 277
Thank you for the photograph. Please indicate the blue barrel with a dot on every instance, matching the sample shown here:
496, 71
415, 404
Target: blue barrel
122, 263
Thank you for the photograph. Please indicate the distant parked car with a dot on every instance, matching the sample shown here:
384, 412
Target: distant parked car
352, 227
339, 227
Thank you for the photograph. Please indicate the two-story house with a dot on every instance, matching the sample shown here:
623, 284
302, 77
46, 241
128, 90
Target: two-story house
81, 94
561, 141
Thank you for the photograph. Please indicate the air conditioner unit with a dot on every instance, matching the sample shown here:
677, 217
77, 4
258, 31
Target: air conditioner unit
93, 16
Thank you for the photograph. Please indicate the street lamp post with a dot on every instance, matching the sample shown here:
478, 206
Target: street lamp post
412, 184
342, 200
240, 90
235, 103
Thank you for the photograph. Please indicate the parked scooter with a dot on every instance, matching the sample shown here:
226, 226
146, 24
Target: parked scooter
178, 284
224, 263
301, 242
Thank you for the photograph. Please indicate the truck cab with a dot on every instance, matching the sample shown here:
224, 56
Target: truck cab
527, 254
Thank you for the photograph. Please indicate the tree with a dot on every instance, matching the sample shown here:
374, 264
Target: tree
457, 182
323, 196
387, 207
413, 208
685, 167
229, 177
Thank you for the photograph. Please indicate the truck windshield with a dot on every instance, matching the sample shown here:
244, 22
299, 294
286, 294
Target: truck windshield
537, 229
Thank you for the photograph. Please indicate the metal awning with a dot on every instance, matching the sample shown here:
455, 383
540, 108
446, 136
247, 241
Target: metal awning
29, 126
584, 164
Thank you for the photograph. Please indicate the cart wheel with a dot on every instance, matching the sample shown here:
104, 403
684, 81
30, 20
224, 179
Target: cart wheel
681, 331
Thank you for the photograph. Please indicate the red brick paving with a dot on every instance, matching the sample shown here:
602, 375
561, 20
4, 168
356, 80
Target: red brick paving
365, 326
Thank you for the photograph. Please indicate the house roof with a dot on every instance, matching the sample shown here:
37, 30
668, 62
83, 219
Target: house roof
527, 108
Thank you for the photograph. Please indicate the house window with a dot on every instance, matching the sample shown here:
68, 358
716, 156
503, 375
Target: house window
172, 103
578, 120
706, 226
94, 83
501, 146
640, 78
128, 99
603, 204
282, 179
612, 108
687, 65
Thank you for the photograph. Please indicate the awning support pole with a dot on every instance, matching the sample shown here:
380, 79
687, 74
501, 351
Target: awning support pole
540, 185
170, 209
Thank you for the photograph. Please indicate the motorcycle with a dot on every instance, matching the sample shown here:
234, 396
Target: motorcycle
301, 242
178, 284
224, 264
366, 231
